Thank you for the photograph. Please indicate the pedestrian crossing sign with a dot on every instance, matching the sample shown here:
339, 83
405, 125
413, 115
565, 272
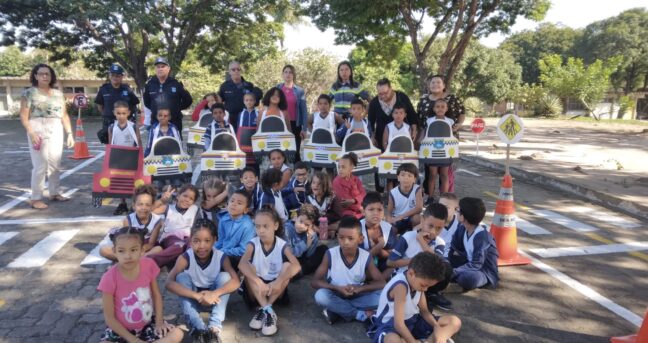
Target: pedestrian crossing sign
510, 129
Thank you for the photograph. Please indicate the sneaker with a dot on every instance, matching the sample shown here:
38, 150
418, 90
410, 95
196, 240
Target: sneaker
269, 324
331, 317
214, 337
121, 209
199, 336
438, 300
259, 318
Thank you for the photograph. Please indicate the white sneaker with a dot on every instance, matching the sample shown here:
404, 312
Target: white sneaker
269, 324
259, 318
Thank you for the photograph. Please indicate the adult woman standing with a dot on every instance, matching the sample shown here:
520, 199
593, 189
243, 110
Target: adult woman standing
44, 116
345, 89
456, 111
296, 102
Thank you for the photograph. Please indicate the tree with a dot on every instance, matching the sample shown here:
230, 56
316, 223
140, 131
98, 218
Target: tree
587, 84
361, 21
491, 75
129, 31
528, 47
625, 35
13, 62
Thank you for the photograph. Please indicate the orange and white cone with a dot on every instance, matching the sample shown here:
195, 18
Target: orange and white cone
640, 337
80, 144
503, 226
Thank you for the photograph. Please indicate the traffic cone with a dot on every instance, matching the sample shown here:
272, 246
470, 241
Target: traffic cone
641, 337
503, 227
80, 144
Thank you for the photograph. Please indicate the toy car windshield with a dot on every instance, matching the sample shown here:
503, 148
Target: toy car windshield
166, 146
357, 142
245, 135
321, 136
272, 124
224, 142
123, 159
401, 144
439, 129
205, 120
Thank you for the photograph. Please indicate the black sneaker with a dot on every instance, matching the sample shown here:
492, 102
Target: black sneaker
121, 209
331, 317
213, 337
438, 300
199, 336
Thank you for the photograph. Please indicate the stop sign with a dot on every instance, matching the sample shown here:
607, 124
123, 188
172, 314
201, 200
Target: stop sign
478, 125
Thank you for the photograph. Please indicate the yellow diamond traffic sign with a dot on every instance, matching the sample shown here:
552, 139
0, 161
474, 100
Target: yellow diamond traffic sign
510, 129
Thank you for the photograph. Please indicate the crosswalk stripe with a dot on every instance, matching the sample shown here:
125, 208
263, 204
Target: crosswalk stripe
564, 221
43, 250
5, 236
530, 228
606, 217
590, 250
94, 257
38, 221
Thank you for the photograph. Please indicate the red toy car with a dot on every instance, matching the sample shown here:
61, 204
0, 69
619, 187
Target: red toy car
244, 138
121, 173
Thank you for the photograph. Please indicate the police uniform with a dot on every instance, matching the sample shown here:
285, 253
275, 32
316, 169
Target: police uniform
108, 95
171, 93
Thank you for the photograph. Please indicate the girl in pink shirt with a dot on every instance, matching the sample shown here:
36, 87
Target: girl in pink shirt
132, 302
348, 188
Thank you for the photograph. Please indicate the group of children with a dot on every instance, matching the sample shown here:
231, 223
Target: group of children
387, 271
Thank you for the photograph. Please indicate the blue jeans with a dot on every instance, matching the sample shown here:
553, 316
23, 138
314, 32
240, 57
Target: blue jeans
346, 307
191, 308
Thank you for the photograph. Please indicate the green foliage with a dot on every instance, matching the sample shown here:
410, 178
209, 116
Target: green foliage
587, 84
626, 105
489, 74
529, 47
198, 79
548, 105
473, 106
13, 62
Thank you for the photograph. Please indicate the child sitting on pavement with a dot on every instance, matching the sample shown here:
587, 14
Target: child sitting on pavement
250, 184
378, 236
235, 227
405, 201
303, 239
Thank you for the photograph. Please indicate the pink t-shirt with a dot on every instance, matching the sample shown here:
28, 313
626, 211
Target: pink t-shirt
133, 299
292, 102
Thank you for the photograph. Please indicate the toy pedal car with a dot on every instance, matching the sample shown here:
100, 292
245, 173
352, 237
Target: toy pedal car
273, 134
197, 132
321, 150
244, 138
399, 150
224, 157
360, 144
121, 173
439, 145
168, 161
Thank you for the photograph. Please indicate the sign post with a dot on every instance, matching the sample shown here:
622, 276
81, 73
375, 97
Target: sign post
510, 130
477, 126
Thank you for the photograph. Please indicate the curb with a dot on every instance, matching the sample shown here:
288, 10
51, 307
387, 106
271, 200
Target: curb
606, 200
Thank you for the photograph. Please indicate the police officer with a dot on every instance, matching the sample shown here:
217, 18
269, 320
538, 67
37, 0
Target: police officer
233, 90
164, 88
109, 93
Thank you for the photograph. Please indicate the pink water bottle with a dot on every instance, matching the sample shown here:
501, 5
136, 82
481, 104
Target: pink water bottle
323, 228
37, 146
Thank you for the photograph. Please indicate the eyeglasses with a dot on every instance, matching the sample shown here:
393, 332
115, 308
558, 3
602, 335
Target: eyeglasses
235, 69
44, 74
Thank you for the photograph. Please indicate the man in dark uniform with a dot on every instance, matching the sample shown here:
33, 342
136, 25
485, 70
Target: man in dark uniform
233, 90
164, 88
109, 93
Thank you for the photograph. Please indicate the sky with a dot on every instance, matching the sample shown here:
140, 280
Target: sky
571, 13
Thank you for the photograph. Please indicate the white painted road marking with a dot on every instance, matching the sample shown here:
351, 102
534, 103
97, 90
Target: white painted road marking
606, 217
13, 203
586, 291
590, 250
70, 192
5, 236
43, 250
38, 221
530, 228
460, 170
94, 257
564, 221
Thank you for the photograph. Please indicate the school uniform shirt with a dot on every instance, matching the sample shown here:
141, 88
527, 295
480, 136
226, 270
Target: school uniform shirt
403, 202
203, 275
475, 252
248, 118
394, 131
214, 129
327, 122
323, 207
447, 233
210, 214
155, 132
268, 263
292, 199
125, 136
355, 125
108, 95
299, 242
407, 247
386, 307
386, 231
178, 223
342, 272
255, 196
234, 233
153, 220
351, 188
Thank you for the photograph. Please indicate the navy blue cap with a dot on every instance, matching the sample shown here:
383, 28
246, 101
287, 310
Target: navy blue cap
161, 60
116, 69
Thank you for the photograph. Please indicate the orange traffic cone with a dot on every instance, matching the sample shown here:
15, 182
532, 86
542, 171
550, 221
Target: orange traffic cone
80, 144
641, 337
503, 227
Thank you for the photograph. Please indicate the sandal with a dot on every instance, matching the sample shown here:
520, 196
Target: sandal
39, 205
59, 197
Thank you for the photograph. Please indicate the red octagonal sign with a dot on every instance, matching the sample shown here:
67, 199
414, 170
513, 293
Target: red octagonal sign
478, 125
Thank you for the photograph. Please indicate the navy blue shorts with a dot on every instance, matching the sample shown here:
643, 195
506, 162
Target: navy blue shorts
419, 328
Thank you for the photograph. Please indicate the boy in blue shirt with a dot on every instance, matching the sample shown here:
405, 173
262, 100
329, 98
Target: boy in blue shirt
473, 253
218, 125
162, 128
235, 228
294, 193
303, 238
